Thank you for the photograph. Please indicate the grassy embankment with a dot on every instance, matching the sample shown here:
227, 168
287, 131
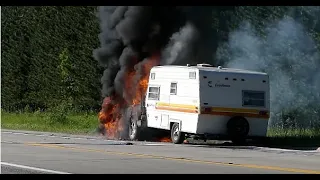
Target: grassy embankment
293, 138
75, 123
87, 123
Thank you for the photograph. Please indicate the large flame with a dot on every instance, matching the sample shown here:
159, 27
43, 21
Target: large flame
110, 114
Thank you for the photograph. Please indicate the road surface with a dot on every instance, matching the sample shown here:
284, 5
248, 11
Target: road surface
27, 152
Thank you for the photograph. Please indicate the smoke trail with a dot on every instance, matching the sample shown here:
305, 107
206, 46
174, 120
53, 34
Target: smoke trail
290, 56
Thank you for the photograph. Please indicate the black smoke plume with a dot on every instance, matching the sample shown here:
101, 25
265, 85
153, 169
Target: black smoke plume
129, 34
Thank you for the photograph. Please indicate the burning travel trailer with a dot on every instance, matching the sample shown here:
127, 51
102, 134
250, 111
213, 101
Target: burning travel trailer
133, 40
190, 101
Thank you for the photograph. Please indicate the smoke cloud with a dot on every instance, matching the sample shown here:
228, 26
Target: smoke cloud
129, 34
290, 57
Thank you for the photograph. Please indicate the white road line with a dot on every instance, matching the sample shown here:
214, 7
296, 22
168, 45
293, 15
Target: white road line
4, 132
285, 150
41, 135
17, 133
155, 144
77, 138
33, 168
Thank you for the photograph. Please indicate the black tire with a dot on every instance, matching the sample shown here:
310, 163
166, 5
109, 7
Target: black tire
134, 130
238, 128
177, 136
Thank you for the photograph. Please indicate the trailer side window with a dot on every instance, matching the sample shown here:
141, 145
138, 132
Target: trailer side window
173, 89
253, 98
154, 93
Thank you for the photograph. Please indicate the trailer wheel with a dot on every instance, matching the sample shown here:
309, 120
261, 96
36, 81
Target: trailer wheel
134, 130
238, 129
177, 136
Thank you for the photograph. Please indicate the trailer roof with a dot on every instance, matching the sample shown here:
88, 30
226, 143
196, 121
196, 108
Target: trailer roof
211, 68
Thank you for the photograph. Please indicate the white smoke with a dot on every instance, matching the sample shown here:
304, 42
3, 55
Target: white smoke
180, 46
290, 57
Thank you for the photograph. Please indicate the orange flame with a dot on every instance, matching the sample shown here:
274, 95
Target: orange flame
110, 114
111, 119
140, 88
165, 139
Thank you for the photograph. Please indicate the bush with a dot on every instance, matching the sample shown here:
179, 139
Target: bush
59, 113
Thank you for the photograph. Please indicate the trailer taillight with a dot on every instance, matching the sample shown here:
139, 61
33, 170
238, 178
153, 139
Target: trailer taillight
206, 110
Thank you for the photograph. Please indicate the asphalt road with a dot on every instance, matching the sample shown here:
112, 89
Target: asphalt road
26, 152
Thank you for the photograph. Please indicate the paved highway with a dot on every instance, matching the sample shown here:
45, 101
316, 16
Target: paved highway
27, 152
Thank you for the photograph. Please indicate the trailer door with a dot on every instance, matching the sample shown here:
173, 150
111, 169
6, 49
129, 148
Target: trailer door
153, 96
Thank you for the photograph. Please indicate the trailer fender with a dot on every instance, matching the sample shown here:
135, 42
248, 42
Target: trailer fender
172, 121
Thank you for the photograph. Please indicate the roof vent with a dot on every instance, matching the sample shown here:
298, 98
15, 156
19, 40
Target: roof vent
204, 65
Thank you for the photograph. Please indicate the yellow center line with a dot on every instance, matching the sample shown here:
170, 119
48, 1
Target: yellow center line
177, 159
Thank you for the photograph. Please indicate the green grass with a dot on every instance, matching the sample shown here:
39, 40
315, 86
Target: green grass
72, 123
293, 133
293, 138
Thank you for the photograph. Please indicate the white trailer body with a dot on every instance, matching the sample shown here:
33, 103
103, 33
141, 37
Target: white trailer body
202, 99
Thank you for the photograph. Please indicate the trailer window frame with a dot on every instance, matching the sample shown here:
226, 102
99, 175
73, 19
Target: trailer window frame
192, 75
153, 76
173, 88
247, 99
156, 93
